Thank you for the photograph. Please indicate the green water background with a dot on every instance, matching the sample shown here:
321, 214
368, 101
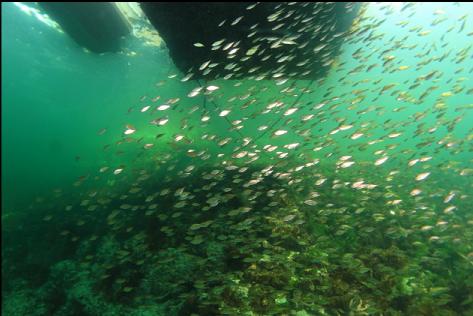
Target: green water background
56, 98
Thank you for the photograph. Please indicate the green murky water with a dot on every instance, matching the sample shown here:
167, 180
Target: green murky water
127, 190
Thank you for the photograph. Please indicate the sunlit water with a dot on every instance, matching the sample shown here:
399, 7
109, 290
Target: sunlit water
345, 195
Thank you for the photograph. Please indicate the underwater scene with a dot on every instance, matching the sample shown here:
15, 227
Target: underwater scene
283, 158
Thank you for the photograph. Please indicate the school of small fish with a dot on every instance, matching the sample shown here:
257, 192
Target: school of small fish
389, 128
